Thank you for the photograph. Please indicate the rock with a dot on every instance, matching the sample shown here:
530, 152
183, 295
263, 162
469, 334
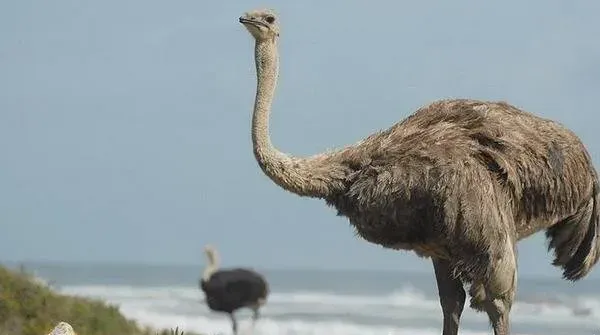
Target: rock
62, 328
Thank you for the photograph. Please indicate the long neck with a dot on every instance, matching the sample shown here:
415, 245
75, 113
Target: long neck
317, 176
211, 267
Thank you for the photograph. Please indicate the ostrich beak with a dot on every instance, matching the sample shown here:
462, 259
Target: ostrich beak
245, 20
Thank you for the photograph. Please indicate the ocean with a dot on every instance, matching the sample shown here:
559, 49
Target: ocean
304, 302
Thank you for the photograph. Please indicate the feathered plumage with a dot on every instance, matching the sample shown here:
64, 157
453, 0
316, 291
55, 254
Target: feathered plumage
459, 181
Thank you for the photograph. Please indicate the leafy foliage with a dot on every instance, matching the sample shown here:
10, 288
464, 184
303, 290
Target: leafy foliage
31, 308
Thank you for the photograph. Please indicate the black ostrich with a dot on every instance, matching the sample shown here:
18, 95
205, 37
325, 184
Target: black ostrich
228, 290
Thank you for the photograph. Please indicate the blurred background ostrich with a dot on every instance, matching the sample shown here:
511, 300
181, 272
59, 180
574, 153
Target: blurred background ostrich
227, 290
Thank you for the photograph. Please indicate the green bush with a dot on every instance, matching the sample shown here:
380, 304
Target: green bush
29, 308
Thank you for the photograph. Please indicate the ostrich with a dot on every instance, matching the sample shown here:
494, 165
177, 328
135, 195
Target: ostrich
62, 328
459, 181
231, 289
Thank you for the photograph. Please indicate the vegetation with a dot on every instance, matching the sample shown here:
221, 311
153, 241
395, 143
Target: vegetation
30, 308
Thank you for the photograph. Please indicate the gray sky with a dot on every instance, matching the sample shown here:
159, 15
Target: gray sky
125, 125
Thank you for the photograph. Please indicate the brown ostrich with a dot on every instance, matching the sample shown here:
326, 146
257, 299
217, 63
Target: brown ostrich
459, 181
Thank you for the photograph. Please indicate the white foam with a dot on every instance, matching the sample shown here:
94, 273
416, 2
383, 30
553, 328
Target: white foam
405, 297
218, 325
330, 313
123, 292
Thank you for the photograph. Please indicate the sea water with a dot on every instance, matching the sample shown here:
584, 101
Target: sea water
310, 302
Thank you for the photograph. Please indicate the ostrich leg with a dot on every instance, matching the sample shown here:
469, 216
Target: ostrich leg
255, 315
452, 296
234, 326
500, 288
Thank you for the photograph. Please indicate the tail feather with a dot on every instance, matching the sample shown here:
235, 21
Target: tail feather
575, 239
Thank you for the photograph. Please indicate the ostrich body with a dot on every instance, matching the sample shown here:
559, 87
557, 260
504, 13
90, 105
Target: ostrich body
459, 181
228, 290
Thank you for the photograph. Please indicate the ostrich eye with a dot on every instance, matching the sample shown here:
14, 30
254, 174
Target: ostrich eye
270, 19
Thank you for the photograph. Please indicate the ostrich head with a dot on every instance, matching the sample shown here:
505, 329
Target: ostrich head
211, 255
63, 328
213, 262
262, 24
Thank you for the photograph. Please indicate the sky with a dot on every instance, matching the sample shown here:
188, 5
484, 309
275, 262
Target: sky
125, 125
